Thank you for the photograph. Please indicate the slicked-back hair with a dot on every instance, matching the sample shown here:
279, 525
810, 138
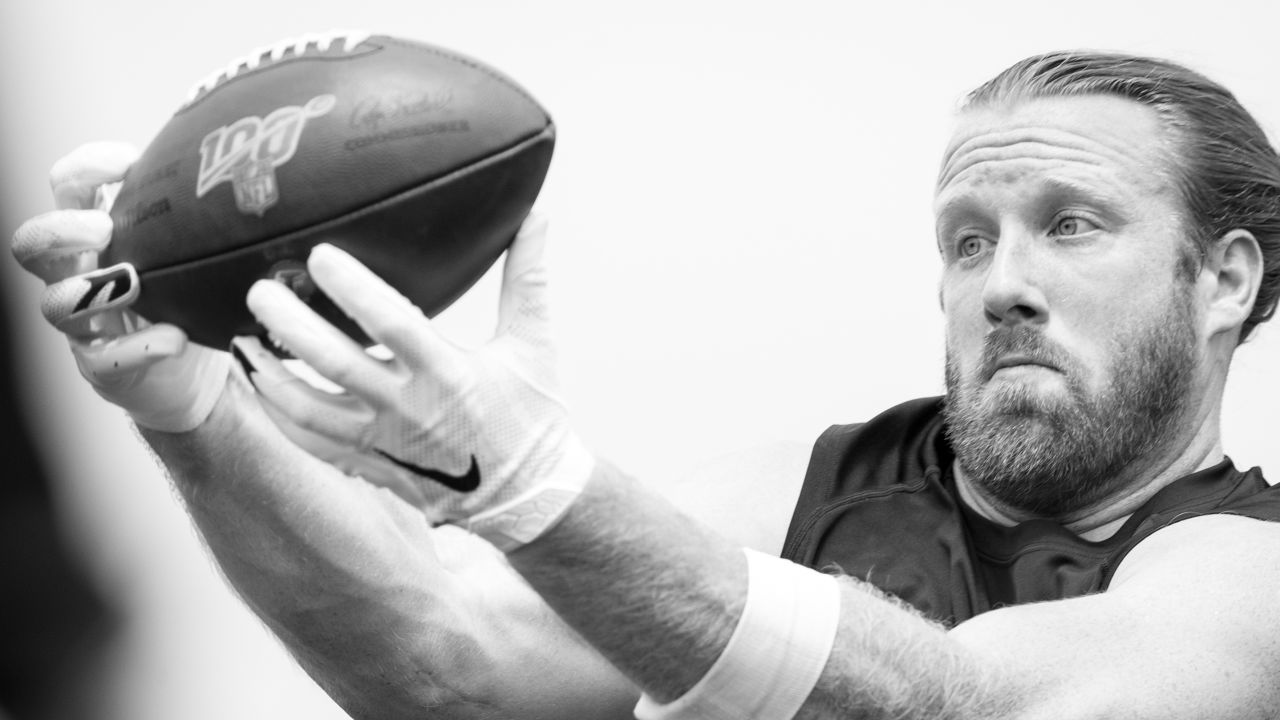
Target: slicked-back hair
1225, 168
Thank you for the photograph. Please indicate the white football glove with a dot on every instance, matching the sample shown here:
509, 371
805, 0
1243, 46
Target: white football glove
479, 438
281, 390
161, 380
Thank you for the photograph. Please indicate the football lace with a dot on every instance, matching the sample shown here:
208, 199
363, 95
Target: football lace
276, 52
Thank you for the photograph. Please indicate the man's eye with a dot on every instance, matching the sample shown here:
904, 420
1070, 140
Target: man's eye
1073, 226
970, 246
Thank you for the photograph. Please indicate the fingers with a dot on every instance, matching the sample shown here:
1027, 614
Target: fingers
75, 178
333, 428
66, 242
381, 311
339, 417
527, 250
315, 341
91, 305
56, 245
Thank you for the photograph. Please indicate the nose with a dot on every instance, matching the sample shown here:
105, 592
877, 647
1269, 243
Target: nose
1012, 292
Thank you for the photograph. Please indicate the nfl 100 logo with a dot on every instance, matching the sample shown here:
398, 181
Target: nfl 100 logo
247, 152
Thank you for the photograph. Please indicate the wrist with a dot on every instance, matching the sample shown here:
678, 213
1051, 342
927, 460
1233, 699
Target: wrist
525, 516
232, 428
777, 651
175, 394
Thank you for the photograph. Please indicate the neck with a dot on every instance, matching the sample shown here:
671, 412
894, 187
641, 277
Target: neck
1101, 520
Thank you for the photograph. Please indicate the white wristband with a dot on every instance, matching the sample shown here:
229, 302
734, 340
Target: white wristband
776, 654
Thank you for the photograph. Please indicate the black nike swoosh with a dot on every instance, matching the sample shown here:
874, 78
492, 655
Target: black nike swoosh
464, 483
117, 279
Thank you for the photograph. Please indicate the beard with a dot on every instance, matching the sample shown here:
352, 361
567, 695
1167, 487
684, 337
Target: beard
1052, 456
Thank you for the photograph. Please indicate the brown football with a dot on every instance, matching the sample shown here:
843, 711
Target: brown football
420, 162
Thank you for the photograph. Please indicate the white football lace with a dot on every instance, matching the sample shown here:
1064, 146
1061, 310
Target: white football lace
275, 52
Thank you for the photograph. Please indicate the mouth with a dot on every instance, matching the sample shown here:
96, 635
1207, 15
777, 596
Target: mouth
1016, 360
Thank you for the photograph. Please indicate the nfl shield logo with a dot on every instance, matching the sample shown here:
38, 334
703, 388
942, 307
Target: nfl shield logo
247, 152
255, 187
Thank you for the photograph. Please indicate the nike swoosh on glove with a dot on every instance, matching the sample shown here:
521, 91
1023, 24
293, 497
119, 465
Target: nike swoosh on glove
479, 438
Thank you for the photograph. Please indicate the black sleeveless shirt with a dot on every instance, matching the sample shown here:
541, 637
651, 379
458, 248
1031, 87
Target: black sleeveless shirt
880, 503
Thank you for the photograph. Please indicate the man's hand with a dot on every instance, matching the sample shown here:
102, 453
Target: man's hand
474, 437
152, 371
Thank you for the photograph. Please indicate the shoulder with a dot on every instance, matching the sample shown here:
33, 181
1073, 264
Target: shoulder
1187, 629
1222, 570
1217, 544
1209, 516
747, 495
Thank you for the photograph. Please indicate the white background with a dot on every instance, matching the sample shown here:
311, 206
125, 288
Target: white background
743, 247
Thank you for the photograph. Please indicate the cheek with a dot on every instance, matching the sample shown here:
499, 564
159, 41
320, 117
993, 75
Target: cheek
965, 322
1100, 332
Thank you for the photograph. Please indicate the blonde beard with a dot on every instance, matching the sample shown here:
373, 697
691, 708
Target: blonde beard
1050, 457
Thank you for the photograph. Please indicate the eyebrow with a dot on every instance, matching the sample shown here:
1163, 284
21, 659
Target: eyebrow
1087, 192
1051, 189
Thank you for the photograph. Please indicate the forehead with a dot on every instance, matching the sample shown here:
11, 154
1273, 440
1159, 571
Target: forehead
1106, 144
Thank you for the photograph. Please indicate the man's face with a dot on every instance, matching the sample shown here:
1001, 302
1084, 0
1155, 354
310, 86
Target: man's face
1071, 334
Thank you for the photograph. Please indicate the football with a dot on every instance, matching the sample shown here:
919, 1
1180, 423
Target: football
420, 162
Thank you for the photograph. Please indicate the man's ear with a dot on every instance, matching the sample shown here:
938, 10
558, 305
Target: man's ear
1229, 279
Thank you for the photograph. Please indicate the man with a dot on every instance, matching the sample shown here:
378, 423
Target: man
1065, 532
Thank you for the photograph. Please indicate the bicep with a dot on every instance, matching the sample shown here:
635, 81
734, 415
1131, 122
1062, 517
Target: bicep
1187, 629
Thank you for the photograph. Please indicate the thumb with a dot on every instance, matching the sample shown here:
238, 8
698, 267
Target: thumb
523, 307
117, 362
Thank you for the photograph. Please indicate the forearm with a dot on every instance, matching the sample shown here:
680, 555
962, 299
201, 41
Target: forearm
650, 589
349, 578
661, 597
327, 564
890, 662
